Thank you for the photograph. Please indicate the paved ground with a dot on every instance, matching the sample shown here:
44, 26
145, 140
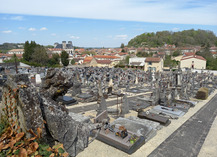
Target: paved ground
209, 147
188, 139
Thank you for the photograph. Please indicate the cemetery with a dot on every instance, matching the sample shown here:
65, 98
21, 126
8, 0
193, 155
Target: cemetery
121, 108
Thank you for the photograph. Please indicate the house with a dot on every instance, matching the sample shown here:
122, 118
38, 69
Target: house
4, 56
55, 50
214, 54
153, 64
115, 60
122, 55
213, 49
92, 61
16, 51
194, 62
137, 61
161, 55
104, 63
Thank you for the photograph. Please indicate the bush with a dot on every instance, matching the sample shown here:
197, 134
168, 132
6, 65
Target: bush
202, 93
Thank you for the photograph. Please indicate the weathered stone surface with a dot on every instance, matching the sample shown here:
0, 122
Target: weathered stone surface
73, 134
35, 107
56, 83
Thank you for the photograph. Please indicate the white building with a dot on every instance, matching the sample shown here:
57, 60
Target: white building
193, 62
137, 61
16, 51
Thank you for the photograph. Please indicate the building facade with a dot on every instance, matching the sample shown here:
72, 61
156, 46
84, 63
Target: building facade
68, 47
153, 64
193, 62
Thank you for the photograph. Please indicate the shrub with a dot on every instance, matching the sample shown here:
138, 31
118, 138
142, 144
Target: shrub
202, 93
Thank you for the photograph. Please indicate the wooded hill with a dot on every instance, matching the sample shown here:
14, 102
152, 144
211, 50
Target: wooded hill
183, 38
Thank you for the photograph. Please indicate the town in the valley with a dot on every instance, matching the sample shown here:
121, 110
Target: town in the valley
63, 100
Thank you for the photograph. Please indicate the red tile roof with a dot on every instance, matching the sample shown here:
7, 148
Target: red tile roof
193, 56
122, 53
10, 55
88, 59
189, 53
16, 50
103, 61
108, 57
152, 59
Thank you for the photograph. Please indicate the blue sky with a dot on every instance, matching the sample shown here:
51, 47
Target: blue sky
100, 23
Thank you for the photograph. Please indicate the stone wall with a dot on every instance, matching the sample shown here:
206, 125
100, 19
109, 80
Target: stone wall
30, 108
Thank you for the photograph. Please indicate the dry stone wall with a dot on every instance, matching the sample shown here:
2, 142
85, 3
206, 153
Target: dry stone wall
30, 108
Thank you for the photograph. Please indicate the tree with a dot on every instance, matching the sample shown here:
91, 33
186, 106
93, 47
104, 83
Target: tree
39, 55
89, 52
168, 62
72, 61
64, 58
122, 50
176, 53
55, 59
127, 59
122, 45
29, 50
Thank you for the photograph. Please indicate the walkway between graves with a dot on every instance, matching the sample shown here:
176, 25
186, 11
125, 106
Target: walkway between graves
188, 139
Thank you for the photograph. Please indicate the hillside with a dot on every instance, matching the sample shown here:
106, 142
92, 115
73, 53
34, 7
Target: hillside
8, 46
183, 38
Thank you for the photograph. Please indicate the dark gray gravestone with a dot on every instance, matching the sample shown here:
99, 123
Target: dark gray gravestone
125, 106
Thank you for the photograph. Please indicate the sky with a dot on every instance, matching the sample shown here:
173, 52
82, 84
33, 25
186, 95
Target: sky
100, 23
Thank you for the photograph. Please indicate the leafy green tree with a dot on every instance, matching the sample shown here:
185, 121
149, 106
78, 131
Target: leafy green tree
127, 59
176, 53
168, 62
72, 61
89, 52
39, 55
122, 50
29, 50
65, 58
55, 59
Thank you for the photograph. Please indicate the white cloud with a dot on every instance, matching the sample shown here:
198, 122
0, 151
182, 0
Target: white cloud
123, 37
53, 34
74, 37
43, 29
32, 29
17, 18
167, 11
8, 31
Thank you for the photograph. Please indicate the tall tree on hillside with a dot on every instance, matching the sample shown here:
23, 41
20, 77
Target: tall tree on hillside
65, 58
29, 50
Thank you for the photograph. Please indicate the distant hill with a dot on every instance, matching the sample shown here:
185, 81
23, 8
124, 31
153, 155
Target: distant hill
8, 46
184, 38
